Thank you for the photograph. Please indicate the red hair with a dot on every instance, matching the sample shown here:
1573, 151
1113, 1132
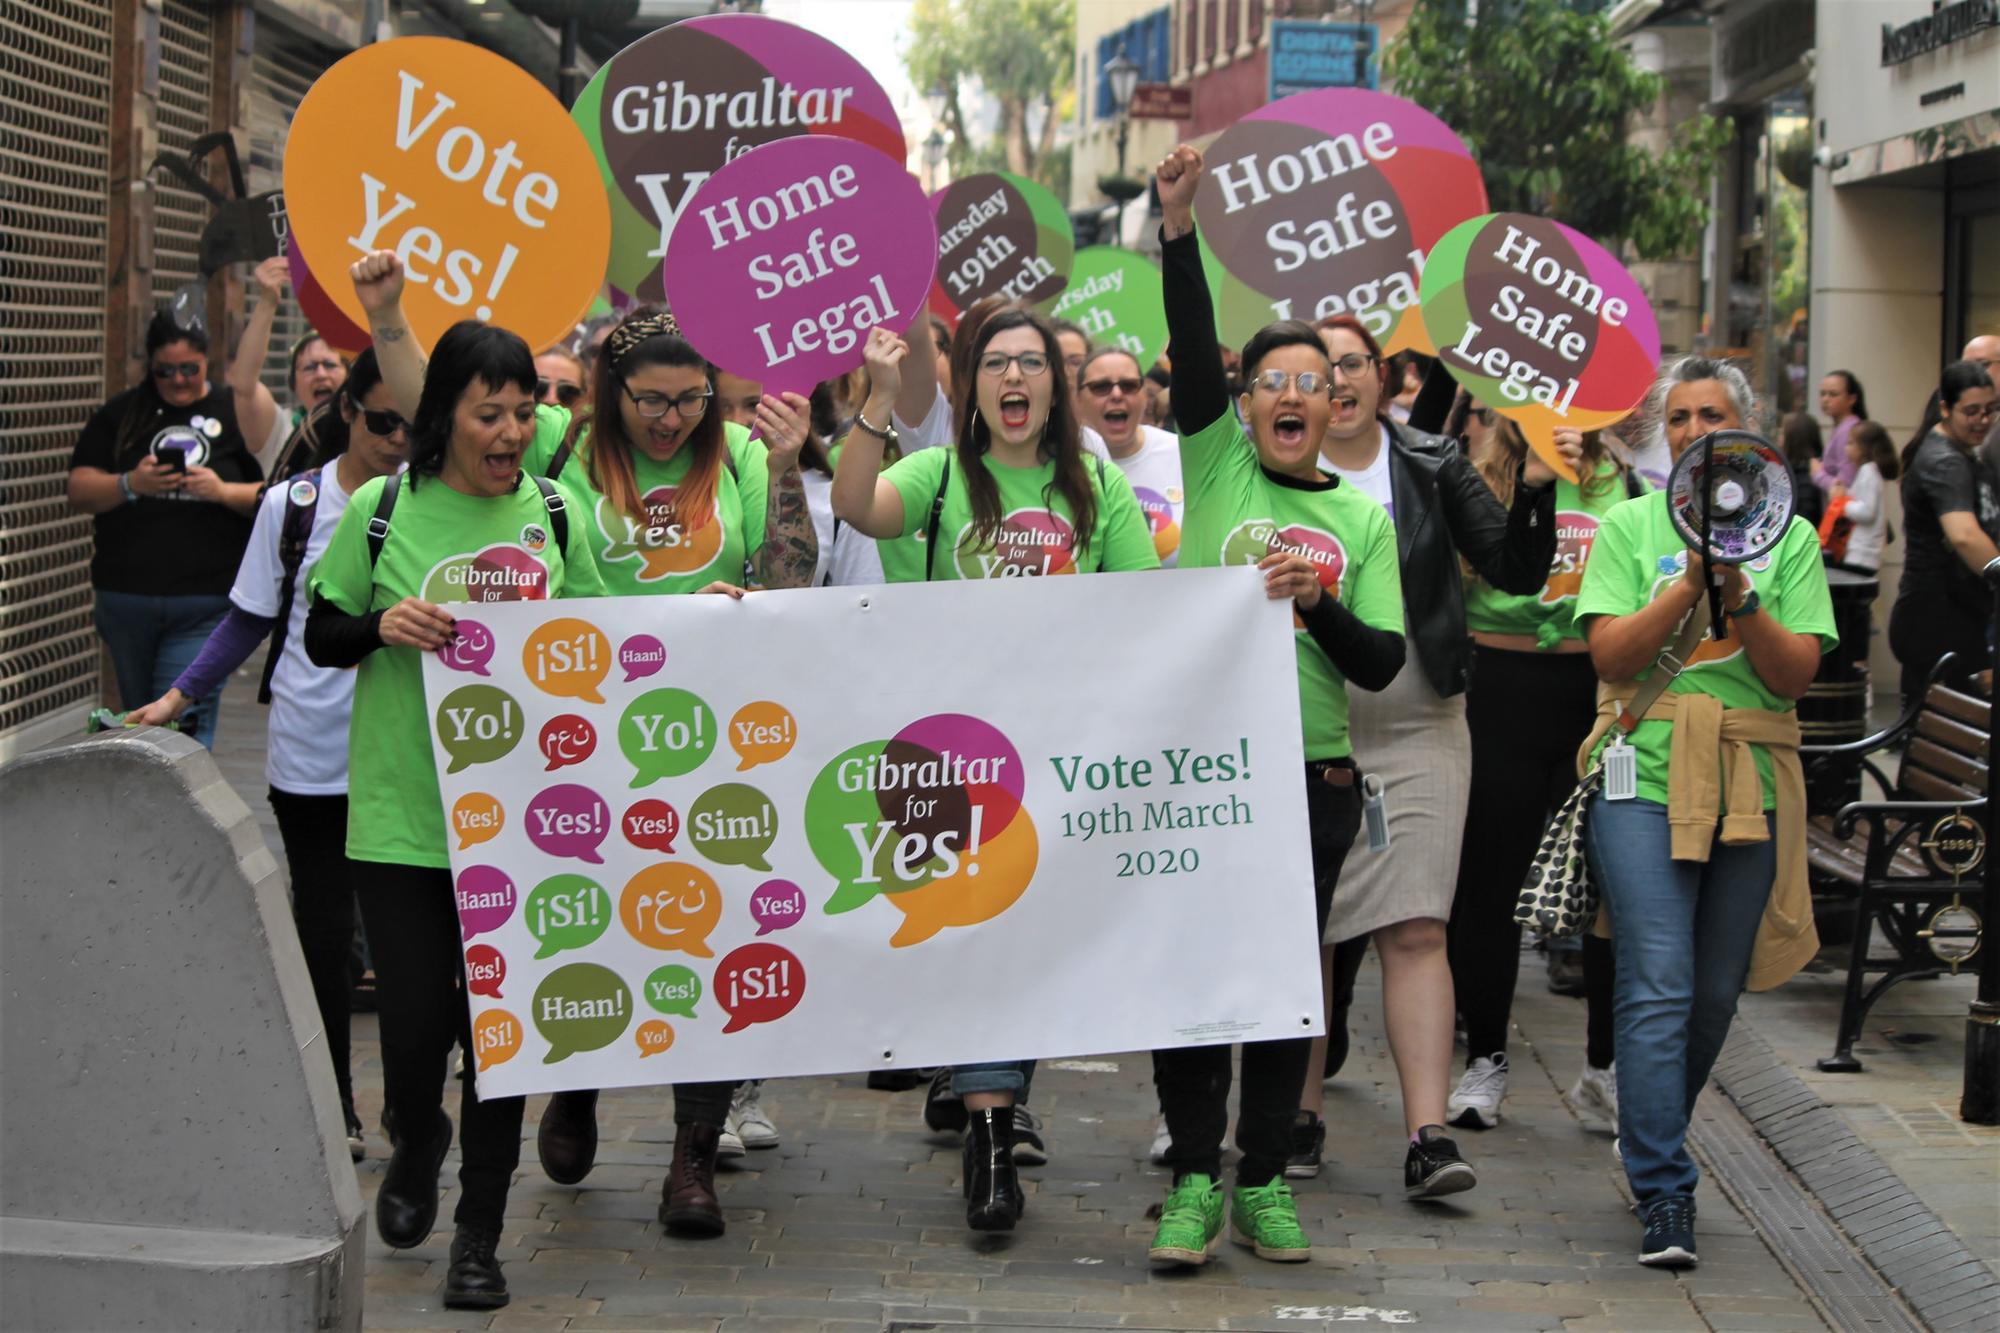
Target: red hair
1359, 330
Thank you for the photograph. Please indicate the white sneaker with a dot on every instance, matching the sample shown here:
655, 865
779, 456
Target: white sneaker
1162, 1141
730, 1142
1594, 1098
749, 1119
1476, 1104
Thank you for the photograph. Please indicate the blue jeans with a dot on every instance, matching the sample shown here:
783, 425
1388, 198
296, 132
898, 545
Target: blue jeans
153, 640
1685, 932
1015, 1076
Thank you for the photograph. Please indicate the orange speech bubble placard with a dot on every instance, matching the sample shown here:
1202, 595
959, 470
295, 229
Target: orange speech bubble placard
476, 818
467, 167
496, 1038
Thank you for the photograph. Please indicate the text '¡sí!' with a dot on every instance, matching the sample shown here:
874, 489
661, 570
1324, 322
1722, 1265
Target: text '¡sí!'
461, 156
1353, 225
1514, 307
968, 276
862, 301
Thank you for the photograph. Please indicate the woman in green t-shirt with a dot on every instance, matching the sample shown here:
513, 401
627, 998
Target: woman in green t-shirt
1696, 907
463, 525
1530, 701
675, 499
1014, 497
1259, 496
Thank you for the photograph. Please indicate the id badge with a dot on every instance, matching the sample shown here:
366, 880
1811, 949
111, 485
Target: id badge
1621, 771
1374, 815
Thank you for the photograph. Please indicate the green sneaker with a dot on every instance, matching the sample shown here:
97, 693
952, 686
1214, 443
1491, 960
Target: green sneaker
1189, 1223
1267, 1220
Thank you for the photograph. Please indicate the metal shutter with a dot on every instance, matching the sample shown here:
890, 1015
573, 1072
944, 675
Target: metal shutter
55, 140
186, 46
282, 67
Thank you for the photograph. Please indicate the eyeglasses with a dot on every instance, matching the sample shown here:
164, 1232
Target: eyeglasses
177, 370
1103, 388
566, 394
994, 364
653, 406
1353, 363
1980, 413
382, 424
1310, 382
326, 367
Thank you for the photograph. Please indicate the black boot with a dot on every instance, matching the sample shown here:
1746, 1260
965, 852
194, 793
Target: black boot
474, 1280
993, 1200
406, 1206
567, 1138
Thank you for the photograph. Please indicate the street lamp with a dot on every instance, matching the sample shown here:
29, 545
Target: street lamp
933, 155
1122, 73
934, 101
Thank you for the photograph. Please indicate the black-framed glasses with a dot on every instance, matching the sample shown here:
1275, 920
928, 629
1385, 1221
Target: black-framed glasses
1103, 388
1310, 382
1979, 413
994, 364
566, 394
382, 423
1352, 364
177, 370
653, 406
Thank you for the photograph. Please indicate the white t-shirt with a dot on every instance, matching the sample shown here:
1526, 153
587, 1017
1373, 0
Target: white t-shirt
1871, 519
307, 751
1155, 473
847, 559
1373, 480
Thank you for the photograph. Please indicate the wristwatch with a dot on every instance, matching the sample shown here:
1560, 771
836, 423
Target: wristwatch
886, 434
1749, 607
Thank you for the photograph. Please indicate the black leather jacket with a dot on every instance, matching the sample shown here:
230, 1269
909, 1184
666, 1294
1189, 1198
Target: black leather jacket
1444, 509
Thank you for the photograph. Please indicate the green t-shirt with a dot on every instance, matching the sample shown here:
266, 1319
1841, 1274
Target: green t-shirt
1237, 513
551, 424
1638, 553
673, 558
1036, 533
443, 546
1546, 615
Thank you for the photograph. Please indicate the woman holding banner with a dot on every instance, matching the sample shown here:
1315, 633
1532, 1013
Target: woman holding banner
376, 595
1696, 906
1260, 497
1015, 496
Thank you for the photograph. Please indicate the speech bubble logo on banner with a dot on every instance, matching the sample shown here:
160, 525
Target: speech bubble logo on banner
999, 234
484, 896
777, 904
567, 739
785, 258
641, 655
671, 906
477, 724
654, 1037
671, 109
581, 1007
733, 825
496, 1038
465, 165
1540, 323
666, 734
471, 650
758, 983
762, 733
568, 658
477, 817
651, 826
980, 891
924, 808
566, 912
1325, 203
568, 820
485, 971
674, 989
1117, 298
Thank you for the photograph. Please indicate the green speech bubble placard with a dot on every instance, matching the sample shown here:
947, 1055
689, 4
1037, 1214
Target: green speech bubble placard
1115, 297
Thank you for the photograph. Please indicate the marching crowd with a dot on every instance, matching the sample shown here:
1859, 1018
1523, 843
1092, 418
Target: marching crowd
1484, 635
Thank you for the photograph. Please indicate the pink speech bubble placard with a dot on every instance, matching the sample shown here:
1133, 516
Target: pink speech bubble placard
784, 259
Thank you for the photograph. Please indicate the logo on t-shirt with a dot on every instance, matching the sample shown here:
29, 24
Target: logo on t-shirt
1029, 543
1256, 538
188, 439
665, 546
1159, 511
534, 537
1575, 532
1711, 651
500, 573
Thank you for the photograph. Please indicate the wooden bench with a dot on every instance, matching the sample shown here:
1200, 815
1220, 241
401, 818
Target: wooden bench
1899, 861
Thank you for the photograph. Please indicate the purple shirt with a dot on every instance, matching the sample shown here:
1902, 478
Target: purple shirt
1836, 466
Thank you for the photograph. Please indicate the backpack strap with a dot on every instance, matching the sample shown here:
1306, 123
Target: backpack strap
293, 538
552, 500
931, 529
1635, 485
559, 460
378, 525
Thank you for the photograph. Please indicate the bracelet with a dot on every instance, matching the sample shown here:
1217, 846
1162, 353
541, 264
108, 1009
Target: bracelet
887, 434
125, 487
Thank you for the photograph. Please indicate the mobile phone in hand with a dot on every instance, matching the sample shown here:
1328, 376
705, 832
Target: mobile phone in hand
172, 457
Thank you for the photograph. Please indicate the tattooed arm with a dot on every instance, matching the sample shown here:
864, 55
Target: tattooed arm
791, 549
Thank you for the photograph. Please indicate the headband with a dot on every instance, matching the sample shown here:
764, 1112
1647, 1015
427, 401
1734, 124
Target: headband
632, 332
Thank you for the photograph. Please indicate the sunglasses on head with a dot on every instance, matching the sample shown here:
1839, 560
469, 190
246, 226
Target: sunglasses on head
1103, 388
177, 370
566, 394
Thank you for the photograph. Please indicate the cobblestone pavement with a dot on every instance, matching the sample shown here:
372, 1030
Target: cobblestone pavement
855, 1221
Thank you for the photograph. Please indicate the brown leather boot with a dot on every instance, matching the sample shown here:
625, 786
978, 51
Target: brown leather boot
688, 1206
567, 1139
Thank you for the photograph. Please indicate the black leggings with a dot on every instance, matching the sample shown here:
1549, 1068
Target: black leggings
413, 937
1193, 1081
1528, 713
314, 830
1924, 625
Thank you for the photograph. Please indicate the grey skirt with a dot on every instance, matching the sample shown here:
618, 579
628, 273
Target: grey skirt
1420, 748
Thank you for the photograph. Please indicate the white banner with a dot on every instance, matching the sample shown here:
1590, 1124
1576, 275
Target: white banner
842, 829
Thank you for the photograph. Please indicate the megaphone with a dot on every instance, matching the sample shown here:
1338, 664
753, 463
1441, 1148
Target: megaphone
1730, 496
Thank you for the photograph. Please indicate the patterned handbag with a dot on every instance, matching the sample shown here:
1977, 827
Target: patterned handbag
1559, 896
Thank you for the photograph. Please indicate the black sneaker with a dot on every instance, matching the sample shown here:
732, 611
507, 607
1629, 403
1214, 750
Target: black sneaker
943, 1111
1669, 1241
1308, 1147
1433, 1167
1030, 1149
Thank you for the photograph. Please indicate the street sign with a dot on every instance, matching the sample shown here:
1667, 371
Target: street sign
1158, 101
1306, 55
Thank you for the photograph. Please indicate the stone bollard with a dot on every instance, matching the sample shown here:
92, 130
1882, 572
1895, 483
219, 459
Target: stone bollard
171, 1147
